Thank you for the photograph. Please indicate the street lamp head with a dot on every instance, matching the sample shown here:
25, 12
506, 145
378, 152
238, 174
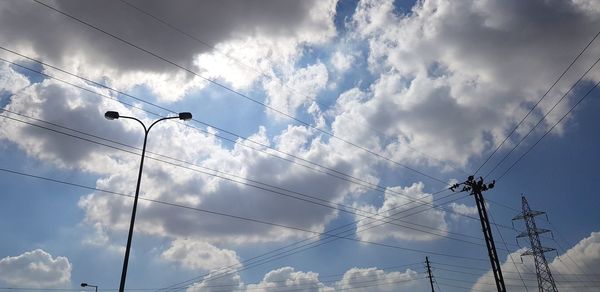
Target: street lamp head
184, 116
84, 284
111, 115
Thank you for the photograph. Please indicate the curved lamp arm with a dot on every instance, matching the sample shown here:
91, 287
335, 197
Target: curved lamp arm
113, 115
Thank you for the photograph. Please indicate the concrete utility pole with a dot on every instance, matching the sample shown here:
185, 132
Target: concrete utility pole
429, 273
544, 276
476, 187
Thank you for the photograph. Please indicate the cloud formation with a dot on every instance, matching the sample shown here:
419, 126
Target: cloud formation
198, 255
396, 205
287, 278
192, 186
53, 36
575, 270
448, 79
36, 269
452, 78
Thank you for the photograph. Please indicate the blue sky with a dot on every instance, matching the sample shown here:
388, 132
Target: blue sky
403, 96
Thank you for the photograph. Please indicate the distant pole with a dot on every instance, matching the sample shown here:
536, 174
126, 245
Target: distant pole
429, 273
544, 276
476, 187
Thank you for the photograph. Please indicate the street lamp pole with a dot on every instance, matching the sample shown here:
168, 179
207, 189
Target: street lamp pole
112, 115
86, 285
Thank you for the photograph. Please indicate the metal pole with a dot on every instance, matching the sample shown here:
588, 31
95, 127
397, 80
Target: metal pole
476, 187
429, 273
135, 201
489, 240
113, 115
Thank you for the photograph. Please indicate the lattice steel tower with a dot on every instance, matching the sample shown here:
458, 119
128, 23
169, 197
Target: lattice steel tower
544, 276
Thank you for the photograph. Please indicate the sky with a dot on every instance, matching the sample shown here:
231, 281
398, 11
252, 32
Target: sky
324, 138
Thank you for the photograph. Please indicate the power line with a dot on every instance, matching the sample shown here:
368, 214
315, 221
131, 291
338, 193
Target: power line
215, 286
38, 125
509, 253
479, 275
237, 217
233, 287
232, 216
540, 100
555, 231
462, 287
239, 93
532, 274
377, 284
292, 251
502, 205
363, 279
487, 269
163, 21
490, 284
298, 249
262, 186
515, 279
352, 179
303, 286
543, 118
485, 283
346, 177
548, 131
437, 285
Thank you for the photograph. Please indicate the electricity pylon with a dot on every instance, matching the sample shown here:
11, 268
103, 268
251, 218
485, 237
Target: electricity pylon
544, 276
476, 187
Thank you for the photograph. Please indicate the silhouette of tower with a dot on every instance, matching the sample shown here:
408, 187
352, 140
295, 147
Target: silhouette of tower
544, 276
430, 276
477, 187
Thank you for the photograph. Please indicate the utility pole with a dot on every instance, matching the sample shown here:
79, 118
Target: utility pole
544, 276
429, 273
476, 187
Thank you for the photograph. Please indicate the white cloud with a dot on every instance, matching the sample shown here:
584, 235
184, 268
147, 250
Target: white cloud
52, 101
463, 209
88, 52
342, 61
300, 87
10, 81
571, 270
219, 282
288, 279
395, 203
453, 77
449, 80
36, 269
198, 255
373, 279
56, 103
100, 238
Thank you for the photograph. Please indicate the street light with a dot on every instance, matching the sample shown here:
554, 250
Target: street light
86, 285
112, 115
